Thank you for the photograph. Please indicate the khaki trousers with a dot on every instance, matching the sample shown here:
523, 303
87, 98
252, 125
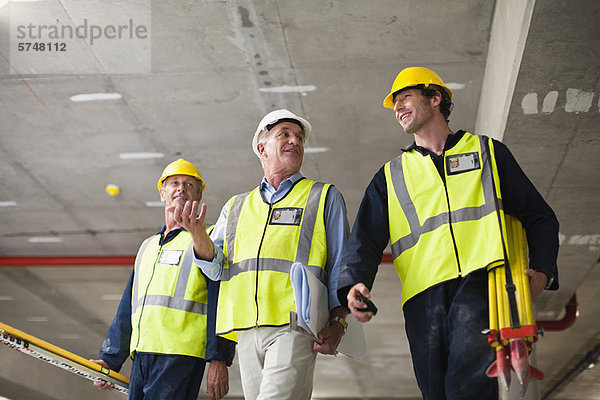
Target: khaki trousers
276, 364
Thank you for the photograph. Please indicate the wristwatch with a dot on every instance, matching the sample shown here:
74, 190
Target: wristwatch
342, 322
550, 282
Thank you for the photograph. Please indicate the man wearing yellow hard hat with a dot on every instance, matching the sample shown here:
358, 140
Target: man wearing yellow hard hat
258, 237
437, 204
166, 317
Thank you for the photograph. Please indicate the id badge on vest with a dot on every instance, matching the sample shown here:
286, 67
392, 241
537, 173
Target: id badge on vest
170, 257
286, 216
459, 163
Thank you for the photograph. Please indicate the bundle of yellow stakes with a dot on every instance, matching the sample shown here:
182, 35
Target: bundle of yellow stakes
512, 336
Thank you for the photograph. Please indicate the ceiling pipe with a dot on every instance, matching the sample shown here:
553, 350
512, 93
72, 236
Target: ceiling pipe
79, 261
67, 261
566, 321
562, 324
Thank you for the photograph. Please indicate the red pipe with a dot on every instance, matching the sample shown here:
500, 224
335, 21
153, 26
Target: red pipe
77, 261
387, 258
565, 322
560, 325
67, 261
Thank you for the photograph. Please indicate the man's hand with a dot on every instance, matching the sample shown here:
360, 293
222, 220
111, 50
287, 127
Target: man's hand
103, 385
187, 217
537, 282
356, 305
217, 381
332, 334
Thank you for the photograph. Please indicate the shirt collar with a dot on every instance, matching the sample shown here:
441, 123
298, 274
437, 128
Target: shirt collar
264, 185
451, 141
170, 236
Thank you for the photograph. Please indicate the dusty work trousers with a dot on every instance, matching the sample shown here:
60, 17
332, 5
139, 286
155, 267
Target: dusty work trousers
450, 354
165, 377
276, 364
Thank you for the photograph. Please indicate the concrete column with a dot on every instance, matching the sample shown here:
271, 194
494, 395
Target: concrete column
510, 27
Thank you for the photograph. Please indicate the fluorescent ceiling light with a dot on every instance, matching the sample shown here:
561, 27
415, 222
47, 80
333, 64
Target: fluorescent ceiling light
95, 96
8, 203
2, 4
455, 86
289, 89
140, 155
69, 336
45, 239
155, 204
36, 319
316, 149
6, 298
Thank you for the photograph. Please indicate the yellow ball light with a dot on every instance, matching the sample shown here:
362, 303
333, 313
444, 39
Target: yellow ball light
112, 190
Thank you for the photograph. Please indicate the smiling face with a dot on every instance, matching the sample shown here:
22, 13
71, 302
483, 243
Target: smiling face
282, 148
177, 189
414, 110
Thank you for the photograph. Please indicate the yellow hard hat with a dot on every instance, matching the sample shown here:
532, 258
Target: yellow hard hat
414, 76
180, 167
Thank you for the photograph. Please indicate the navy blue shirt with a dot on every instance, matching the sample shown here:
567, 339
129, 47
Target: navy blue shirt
115, 348
370, 234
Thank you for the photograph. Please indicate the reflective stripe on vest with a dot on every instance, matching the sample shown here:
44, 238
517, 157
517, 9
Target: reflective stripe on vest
432, 223
272, 264
257, 273
441, 230
169, 299
268, 264
177, 301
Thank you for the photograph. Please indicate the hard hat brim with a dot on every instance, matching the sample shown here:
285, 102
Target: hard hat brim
413, 76
388, 102
180, 167
272, 118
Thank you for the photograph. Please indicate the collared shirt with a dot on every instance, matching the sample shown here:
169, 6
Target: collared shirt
336, 229
115, 348
370, 234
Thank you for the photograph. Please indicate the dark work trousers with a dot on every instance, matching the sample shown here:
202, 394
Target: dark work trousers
164, 376
450, 354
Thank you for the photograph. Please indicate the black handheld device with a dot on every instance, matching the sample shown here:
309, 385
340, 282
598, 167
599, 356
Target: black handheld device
370, 306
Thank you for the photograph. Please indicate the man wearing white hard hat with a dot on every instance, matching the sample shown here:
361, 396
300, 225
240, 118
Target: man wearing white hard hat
258, 236
166, 318
443, 205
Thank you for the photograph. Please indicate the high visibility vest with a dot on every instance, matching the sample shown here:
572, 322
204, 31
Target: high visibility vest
262, 241
441, 231
169, 299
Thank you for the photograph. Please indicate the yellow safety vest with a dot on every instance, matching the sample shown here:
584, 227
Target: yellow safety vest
262, 241
169, 299
441, 231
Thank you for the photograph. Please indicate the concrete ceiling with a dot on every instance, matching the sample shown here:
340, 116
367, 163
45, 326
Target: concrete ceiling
524, 71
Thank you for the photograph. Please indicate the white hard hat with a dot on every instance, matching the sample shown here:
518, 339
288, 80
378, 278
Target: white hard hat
272, 118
